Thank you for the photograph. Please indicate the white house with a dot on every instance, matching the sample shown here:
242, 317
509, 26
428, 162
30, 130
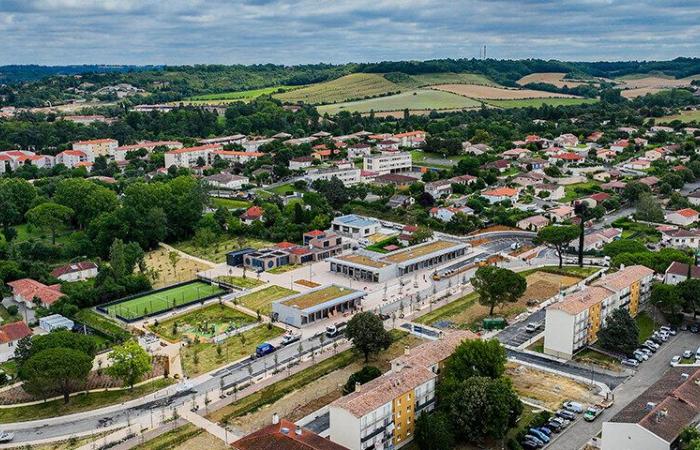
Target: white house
226, 180
679, 238
9, 335
439, 188
682, 217
678, 272
446, 214
534, 223
500, 194
79, 271
301, 162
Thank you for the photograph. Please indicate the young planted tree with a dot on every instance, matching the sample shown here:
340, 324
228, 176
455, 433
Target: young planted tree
49, 216
558, 238
497, 286
174, 258
130, 362
367, 333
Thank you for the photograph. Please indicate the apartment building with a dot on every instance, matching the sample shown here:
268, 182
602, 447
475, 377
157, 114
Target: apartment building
224, 140
188, 156
235, 156
381, 413
348, 176
412, 139
574, 322
97, 147
388, 162
13, 159
73, 158
120, 152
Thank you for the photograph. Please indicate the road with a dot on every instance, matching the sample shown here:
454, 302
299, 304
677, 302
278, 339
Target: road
648, 373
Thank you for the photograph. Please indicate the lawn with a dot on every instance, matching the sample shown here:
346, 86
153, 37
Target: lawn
204, 322
243, 95
229, 203
261, 300
284, 189
199, 358
7, 317
684, 116
163, 300
451, 309
79, 403
379, 246
574, 191
102, 324
216, 252
634, 230
282, 269
646, 325
349, 87
421, 99
245, 283
537, 102
26, 232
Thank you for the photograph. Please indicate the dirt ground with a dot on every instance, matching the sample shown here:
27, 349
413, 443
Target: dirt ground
186, 269
553, 78
312, 397
639, 92
494, 93
203, 441
543, 285
549, 389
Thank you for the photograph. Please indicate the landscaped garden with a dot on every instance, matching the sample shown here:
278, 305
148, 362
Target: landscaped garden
216, 252
202, 323
261, 301
244, 283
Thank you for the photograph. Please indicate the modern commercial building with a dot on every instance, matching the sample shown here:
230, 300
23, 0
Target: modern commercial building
348, 176
266, 259
322, 303
388, 162
381, 413
655, 419
323, 244
354, 226
573, 323
377, 267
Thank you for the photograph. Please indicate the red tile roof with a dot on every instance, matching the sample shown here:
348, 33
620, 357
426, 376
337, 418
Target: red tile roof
70, 268
687, 212
314, 233
28, 289
14, 331
285, 244
283, 436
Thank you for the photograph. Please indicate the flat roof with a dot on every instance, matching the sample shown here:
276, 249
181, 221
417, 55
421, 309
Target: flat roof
319, 298
363, 260
355, 220
419, 251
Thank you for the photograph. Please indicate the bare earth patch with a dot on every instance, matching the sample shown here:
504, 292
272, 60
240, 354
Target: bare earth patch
494, 93
203, 441
549, 389
186, 269
554, 78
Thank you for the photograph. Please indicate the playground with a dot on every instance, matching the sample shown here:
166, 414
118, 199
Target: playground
202, 324
161, 300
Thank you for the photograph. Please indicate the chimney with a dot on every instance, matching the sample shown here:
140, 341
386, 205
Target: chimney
358, 387
298, 431
396, 365
406, 350
275, 419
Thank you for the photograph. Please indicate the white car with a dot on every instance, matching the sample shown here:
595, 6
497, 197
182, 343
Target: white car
668, 330
641, 354
688, 354
6, 437
675, 360
630, 362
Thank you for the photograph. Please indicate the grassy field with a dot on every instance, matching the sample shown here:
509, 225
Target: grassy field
164, 300
203, 357
216, 253
262, 300
229, 203
26, 232
421, 99
158, 264
353, 86
429, 79
79, 403
537, 102
102, 324
573, 191
186, 437
283, 189
646, 325
199, 323
592, 356
246, 283
244, 95
684, 116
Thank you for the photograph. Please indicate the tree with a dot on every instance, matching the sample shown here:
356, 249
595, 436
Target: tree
87, 199
362, 376
558, 238
130, 362
583, 213
174, 258
633, 190
422, 234
497, 286
476, 358
117, 259
434, 432
62, 370
58, 339
49, 216
620, 333
648, 209
615, 248
481, 407
689, 291
367, 333
667, 298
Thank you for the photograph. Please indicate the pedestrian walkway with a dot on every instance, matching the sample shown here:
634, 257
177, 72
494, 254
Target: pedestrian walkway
210, 427
187, 255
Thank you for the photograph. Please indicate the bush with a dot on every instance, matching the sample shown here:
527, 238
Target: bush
362, 376
13, 310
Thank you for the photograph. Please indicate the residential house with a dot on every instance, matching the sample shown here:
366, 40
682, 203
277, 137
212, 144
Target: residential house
682, 217
616, 186
388, 145
10, 333
73, 158
255, 144
388, 162
555, 191
516, 153
574, 322
596, 241
567, 158
560, 213
224, 140
678, 272
594, 200
474, 149
659, 129
463, 179
694, 198
284, 435
655, 154
620, 145
413, 139
446, 214
300, 141
406, 234
400, 201
227, 180
680, 238
530, 178
440, 188
534, 223
252, 214
566, 140
79, 271
594, 136
359, 150
501, 194
637, 164
300, 162
532, 164
97, 147
605, 155
656, 418
27, 290
396, 179
501, 165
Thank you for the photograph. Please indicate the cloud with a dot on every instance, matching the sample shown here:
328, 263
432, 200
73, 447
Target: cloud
308, 31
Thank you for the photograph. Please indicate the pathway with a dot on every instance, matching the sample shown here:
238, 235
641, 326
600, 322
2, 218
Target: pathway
210, 427
187, 255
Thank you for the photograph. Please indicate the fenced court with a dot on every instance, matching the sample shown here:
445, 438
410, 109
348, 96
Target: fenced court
161, 300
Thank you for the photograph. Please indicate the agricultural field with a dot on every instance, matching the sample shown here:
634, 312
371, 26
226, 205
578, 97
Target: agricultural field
349, 87
165, 300
216, 252
537, 102
635, 81
495, 93
262, 300
203, 323
429, 79
162, 272
243, 95
554, 78
422, 99
683, 116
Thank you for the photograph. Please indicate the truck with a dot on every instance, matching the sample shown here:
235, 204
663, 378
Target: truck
592, 413
335, 329
290, 337
264, 349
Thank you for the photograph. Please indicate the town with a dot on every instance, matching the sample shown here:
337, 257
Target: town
304, 263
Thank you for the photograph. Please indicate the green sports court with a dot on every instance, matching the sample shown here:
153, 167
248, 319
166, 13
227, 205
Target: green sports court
162, 300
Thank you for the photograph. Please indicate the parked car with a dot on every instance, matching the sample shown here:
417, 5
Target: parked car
532, 327
640, 356
630, 362
651, 345
564, 414
646, 351
694, 328
675, 360
540, 435
545, 430
688, 354
554, 426
561, 421
573, 407
530, 437
6, 436
670, 330
529, 445
384, 316
592, 414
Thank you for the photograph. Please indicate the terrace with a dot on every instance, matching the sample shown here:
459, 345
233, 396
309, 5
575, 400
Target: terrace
419, 251
365, 261
317, 304
316, 297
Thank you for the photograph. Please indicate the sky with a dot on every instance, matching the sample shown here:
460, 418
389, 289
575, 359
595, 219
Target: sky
60, 32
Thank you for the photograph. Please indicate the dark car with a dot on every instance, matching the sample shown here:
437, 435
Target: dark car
384, 316
529, 445
565, 415
554, 426
694, 327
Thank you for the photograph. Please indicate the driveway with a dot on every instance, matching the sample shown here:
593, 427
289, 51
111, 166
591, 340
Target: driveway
648, 373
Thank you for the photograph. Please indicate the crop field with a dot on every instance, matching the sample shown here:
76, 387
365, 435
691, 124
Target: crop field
244, 95
353, 86
537, 102
654, 81
429, 79
422, 99
684, 116
554, 78
495, 93
641, 92
162, 301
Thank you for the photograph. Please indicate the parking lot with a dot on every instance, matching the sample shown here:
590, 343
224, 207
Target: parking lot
646, 374
515, 334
